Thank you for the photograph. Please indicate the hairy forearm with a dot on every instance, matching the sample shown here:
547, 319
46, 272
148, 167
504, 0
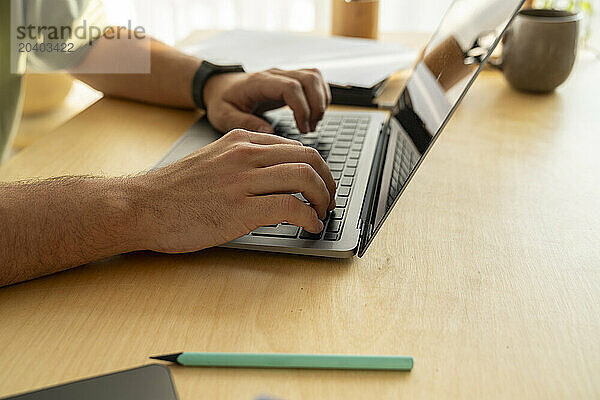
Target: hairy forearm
53, 225
169, 81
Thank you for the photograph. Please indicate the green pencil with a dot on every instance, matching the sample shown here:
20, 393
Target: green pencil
280, 360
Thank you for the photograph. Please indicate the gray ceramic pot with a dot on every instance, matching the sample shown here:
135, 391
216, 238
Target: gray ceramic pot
540, 49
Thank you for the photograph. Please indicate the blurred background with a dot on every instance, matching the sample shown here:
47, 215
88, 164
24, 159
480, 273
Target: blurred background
171, 21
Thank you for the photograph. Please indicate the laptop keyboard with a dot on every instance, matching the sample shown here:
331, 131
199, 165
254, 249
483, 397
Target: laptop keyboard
339, 140
404, 160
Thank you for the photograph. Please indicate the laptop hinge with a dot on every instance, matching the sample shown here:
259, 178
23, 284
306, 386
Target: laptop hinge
372, 191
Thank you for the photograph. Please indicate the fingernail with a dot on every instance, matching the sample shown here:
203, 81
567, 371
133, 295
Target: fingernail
321, 225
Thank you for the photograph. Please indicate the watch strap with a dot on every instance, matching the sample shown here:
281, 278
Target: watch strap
203, 73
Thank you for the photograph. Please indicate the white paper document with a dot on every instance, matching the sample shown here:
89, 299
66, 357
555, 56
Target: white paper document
343, 61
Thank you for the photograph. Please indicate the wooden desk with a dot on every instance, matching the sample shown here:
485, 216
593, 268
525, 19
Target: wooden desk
488, 271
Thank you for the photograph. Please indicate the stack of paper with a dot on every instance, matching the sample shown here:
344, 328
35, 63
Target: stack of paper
343, 61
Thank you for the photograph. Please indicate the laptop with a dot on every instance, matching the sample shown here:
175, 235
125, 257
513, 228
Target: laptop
374, 154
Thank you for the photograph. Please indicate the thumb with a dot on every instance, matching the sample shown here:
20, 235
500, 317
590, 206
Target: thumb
238, 119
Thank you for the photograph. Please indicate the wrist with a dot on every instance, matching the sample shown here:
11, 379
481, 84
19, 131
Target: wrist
213, 86
210, 88
138, 212
205, 73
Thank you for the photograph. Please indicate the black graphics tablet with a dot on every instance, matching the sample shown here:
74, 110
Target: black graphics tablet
150, 382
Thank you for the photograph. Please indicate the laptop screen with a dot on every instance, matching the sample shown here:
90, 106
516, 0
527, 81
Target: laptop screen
467, 35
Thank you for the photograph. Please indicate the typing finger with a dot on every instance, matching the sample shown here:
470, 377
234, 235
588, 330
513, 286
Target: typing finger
276, 208
291, 178
244, 136
285, 153
265, 86
313, 86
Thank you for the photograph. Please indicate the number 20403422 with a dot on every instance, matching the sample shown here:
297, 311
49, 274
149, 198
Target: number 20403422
45, 47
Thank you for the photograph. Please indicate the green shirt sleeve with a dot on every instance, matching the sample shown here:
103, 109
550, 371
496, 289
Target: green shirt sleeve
77, 22
70, 25
10, 84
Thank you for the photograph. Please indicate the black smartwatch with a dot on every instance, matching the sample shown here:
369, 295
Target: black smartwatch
205, 71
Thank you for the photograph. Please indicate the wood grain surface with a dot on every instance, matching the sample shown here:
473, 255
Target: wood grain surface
487, 272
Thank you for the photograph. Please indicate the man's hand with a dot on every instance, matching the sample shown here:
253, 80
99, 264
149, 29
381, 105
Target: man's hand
221, 192
233, 100
231, 187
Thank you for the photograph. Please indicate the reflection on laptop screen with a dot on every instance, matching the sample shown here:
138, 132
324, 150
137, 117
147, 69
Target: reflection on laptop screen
450, 62
465, 38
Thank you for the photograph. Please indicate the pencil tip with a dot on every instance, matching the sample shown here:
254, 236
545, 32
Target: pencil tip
167, 357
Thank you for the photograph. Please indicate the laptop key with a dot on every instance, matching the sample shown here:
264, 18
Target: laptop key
335, 166
331, 236
352, 163
334, 226
286, 231
338, 213
336, 174
341, 201
336, 159
349, 171
347, 181
312, 236
344, 191
405, 170
339, 151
